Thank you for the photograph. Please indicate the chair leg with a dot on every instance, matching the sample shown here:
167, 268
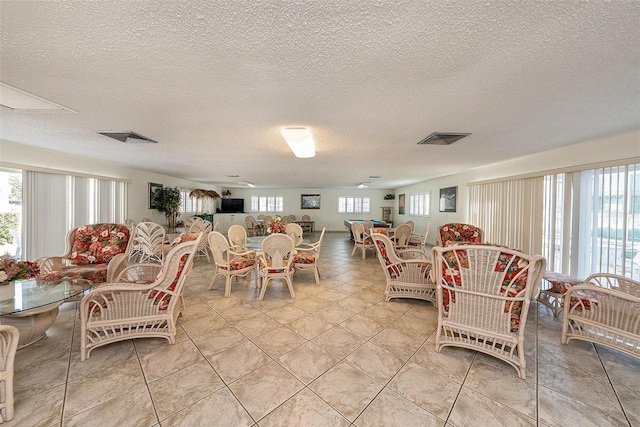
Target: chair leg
317, 274
355, 246
290, 285
263, 286
213, 279
227, 286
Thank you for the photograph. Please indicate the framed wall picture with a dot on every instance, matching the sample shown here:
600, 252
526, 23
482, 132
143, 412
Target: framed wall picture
401, 204
153, 190
310, 201
448, 199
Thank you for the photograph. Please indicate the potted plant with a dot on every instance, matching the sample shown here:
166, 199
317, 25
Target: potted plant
168, 202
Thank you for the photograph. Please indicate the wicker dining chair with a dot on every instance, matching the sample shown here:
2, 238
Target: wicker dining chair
230, 262
360, 240
455, 232
307, 256
276, 261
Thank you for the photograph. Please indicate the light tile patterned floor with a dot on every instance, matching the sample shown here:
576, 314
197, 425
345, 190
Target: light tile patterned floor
337, 355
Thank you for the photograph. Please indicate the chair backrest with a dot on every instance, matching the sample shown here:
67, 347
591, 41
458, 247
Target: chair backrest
97, 243
249, 218
294, 231
267, 218
278, 249
319, 243
261, 217
198, 225
174, 271
358, 232
216, 227
237, 235
219, 247
292, 217
493, 280
615, 282
205, 232
402, 235
306, 218
286, 220
452, 233
9, 336
148, 243
425, 233
367, 225
411, 224
188, 221
130, 222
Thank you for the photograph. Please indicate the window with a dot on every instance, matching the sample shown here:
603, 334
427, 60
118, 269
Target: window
188, 204
267, 204
592, 223
349, 204
420, 204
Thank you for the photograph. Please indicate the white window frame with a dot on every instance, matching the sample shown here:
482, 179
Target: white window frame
187, 203
267, 204
420, 204
354, 204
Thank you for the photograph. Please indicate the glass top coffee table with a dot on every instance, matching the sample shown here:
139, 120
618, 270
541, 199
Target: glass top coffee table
35, 306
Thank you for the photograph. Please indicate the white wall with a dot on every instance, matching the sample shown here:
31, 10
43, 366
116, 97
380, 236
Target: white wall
138, 201
327, 215
615, 147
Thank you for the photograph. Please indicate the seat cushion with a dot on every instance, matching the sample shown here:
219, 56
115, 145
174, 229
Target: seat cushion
304, 258
98, 243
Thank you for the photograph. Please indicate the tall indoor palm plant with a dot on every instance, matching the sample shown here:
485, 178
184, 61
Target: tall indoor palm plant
168, 202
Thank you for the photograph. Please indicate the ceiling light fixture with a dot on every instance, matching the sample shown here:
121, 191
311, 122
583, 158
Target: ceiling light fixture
364, 184
247, 183
300, 141
19, 100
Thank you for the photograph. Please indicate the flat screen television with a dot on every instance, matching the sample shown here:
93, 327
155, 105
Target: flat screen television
232, 206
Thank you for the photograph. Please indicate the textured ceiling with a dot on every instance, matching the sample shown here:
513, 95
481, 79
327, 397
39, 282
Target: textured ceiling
213, 82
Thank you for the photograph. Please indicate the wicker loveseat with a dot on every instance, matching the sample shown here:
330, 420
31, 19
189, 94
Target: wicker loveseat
88, 254
605, 310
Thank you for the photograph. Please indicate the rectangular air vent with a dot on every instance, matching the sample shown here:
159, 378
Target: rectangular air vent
128, 137
442, 138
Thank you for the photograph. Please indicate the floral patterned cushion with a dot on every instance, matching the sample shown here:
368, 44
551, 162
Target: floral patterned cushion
187, 236
95, 273
98, 243
304, 258
240, 263
511, 265
560, 283
452, 233
275, 270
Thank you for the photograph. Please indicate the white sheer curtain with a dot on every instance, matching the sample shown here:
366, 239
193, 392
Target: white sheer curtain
509, 212
55, 203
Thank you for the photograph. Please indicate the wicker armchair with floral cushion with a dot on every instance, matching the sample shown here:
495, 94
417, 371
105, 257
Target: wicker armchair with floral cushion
483, 296
307, 256
89, 252
230, 261
453, 233
604, 310
121, 311
406, 278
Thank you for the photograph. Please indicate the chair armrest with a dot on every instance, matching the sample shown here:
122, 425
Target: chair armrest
116, 265
240, 251
143, 272
52, 263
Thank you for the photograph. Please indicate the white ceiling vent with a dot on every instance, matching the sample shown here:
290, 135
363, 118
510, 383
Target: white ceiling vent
128, 137
442, 138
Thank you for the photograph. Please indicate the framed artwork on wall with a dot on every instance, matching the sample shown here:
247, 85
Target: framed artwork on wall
153, 190
310, 201
401, 204
448, 199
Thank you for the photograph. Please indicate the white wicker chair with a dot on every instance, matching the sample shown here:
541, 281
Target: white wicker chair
420, 240
216, 226
307, 256
204, 227
252, 227
412, 225
230, 263
9, 336
148, 243
360, 240
406, 278
483, 295
368, 226
237, 237
401, 236
276, 261
294, 231
604, 310
121, 311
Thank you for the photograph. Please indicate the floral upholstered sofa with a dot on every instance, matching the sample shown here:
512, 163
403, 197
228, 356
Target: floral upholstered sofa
89, 250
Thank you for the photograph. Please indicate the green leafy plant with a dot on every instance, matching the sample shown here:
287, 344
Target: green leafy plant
168, 202
8, 222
